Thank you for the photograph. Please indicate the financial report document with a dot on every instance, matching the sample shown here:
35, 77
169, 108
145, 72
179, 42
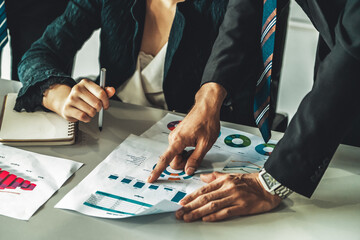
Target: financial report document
246, 153
28, 180
117, 187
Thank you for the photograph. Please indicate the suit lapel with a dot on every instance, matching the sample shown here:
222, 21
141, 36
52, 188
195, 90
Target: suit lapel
175, 37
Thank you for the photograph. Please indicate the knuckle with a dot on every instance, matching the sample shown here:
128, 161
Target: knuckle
162, 159
237, 179
229, 185
98, 104
227, 177
84, 81
188, 217
204, 200
175, 138
229, 189
83, 117
214, 205
92, 112
76, 88
187, 199
202, 190
233, 185
196, 214
73, 95
228, 212
102, 94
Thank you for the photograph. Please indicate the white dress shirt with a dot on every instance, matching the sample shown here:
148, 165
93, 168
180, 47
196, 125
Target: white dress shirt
145, 87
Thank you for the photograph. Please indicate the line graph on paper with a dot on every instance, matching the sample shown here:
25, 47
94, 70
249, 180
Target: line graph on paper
244, 165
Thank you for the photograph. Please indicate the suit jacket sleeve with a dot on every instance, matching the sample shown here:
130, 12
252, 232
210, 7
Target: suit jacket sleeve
325, 114
49, 56
236, 54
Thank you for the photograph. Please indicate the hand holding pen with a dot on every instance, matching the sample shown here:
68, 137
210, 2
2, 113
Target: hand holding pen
79, 103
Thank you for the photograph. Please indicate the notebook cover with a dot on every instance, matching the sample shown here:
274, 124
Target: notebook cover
33, 128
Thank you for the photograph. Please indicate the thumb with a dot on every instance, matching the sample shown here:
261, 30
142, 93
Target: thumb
195, 158
110, 91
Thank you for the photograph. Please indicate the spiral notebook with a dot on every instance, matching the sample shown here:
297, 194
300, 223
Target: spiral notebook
33, 128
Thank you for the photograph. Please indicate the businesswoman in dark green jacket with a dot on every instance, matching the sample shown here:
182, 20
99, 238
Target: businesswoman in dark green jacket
183, 32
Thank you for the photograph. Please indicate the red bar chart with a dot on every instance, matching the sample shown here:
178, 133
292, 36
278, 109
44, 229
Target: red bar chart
11, 181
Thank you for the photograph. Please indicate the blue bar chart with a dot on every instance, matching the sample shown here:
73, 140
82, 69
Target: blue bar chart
130, 205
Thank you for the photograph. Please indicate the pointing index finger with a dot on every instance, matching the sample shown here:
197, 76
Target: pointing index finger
164, 161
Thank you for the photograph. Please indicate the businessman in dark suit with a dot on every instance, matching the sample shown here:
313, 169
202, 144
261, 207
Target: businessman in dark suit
224, 79
320, 124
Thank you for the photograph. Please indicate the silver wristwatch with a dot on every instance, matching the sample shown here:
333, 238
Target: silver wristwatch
272, 186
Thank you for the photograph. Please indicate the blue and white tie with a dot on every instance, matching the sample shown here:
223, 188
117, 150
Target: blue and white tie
3, 26
262, 95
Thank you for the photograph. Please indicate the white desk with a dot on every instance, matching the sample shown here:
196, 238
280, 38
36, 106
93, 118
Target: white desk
332, 213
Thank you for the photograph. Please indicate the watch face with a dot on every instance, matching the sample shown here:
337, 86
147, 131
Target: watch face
270, 181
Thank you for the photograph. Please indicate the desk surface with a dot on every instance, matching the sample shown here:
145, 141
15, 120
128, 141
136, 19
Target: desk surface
332, 213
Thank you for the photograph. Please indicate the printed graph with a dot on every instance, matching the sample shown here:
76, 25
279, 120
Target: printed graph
115, 204
141, 185
246, 166
237, 141
173, 175
265, 149
172, 125
136, 202
11, 181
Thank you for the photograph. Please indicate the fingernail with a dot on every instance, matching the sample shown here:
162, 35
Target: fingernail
179, 212
190, 171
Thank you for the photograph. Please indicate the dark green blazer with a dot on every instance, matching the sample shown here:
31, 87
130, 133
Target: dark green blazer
193, 33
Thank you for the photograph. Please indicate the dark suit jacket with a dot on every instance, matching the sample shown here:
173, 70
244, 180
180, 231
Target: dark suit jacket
326, 113
193, 33
236, 61
330, 109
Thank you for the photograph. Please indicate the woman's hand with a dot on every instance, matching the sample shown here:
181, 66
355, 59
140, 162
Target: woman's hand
79, 103
226, 196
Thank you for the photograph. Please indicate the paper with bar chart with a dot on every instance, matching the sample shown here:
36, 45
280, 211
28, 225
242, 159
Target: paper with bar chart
247, 152
117, 187
28, 180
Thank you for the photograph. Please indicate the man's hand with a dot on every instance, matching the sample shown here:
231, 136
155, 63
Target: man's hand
79, 103
226, 196
199, 129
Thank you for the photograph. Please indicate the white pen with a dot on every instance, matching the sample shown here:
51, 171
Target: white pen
102, 84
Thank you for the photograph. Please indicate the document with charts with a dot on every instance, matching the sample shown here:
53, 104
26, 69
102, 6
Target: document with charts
28, 180
117, 187
247, 152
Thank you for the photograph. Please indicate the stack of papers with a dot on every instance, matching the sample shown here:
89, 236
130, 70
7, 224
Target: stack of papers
246, 153
117, 187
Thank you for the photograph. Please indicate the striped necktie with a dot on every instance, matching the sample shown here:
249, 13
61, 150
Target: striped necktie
3, 26
262, 95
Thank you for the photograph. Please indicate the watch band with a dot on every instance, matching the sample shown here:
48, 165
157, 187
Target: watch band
272, 186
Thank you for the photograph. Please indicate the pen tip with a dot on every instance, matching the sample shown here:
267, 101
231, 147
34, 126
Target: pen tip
100, 128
